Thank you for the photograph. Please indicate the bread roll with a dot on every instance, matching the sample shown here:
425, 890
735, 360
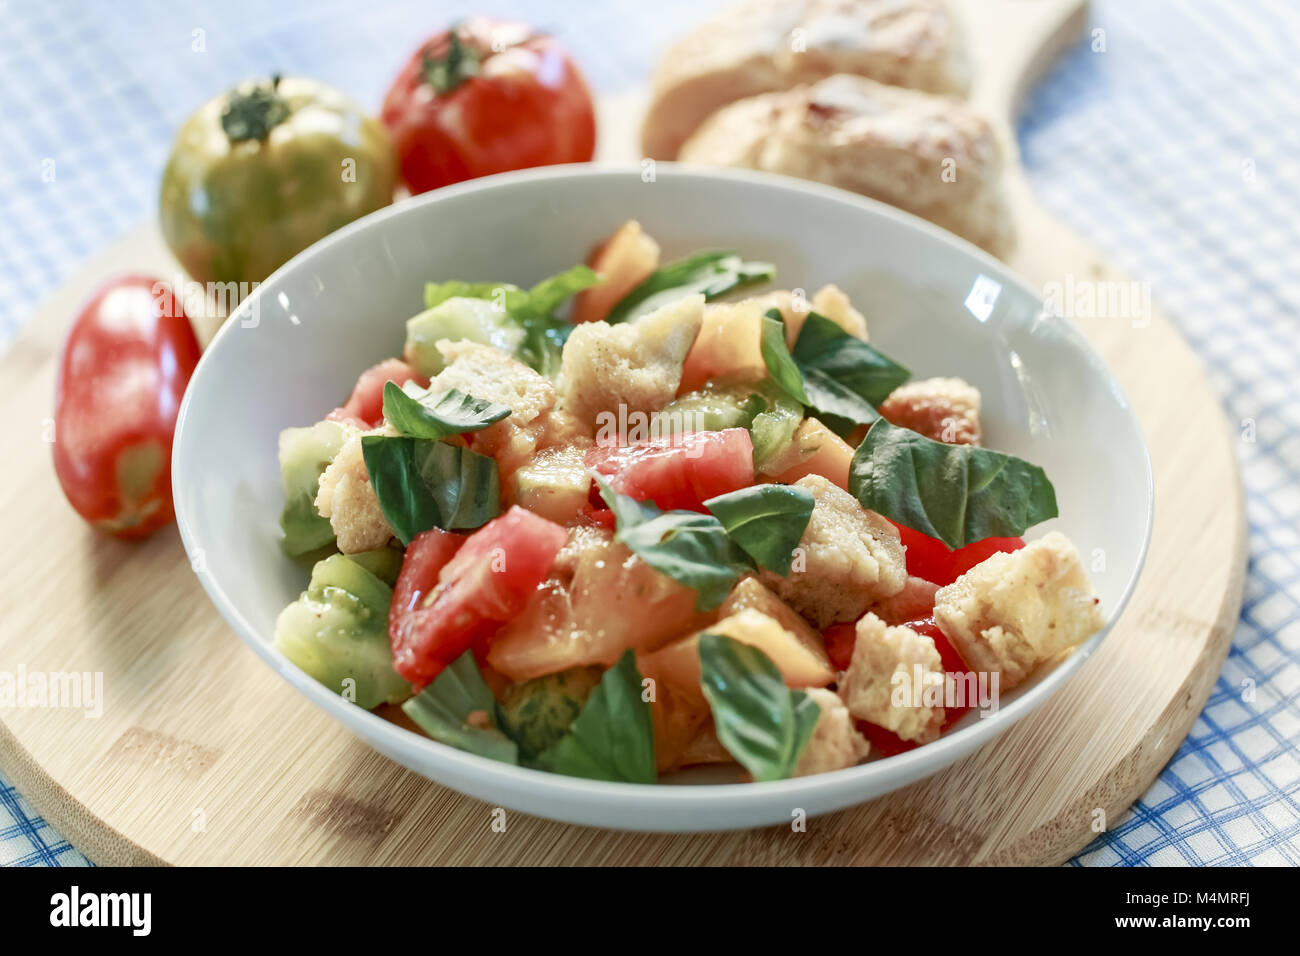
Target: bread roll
759, 46
931, 155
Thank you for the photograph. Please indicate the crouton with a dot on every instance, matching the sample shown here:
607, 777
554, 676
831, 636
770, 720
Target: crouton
1014, 610
886, 658
913, 603
847, 559
488, 373
835, 742
347, 498
942, 409
635, 364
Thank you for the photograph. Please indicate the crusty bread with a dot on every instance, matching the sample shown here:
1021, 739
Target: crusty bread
1015, 610
942, 409
835, 742
885, 660
635, 364
930, 155
759, 46
347, 498
488, 373
847, 559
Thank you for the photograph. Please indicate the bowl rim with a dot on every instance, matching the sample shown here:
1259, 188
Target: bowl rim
738, 796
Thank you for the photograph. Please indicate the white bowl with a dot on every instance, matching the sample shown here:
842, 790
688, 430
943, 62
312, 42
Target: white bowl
341, 305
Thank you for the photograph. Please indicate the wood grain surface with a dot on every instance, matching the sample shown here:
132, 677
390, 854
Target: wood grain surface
202, 755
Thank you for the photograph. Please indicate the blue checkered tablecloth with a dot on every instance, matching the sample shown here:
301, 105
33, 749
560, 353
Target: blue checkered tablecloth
1171, 144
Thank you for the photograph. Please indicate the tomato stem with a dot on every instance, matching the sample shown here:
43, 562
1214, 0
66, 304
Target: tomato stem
460, 63
252, 115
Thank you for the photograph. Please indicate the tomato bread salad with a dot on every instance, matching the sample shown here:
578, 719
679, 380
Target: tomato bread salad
629, 521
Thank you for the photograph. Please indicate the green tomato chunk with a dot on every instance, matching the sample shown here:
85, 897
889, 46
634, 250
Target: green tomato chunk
337, 632
537, 713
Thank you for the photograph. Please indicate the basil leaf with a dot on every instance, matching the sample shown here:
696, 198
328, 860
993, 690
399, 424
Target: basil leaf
762, 723
956, 493
421, 414
543, 345
767, 521
423, 484
713, 273
547, 296
691, 548
627, 510
520, 304
544, 332
844, 377
772, 429
776, 355
441, 710
613, 737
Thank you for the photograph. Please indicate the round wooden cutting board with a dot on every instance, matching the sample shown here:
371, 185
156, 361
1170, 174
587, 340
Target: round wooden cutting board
202, 755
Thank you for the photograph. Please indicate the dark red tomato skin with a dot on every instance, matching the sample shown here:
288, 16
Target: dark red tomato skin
601, 517
365, 406
123, 371
455, 592
926, 557
964, 559
884, 743
678, 471
951, 660
931, 559
527, 105
839, 639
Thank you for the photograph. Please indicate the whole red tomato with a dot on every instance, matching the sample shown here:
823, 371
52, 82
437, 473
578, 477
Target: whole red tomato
123, 370
484, 97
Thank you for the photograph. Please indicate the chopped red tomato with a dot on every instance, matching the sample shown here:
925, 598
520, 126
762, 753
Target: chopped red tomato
963, 559
454, 592
884, 743
952, 662
839, 640
678, 471
365, 407
887, 743
416, 587
931, 559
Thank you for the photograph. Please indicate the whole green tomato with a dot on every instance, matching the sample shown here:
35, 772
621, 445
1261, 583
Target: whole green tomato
261, 172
